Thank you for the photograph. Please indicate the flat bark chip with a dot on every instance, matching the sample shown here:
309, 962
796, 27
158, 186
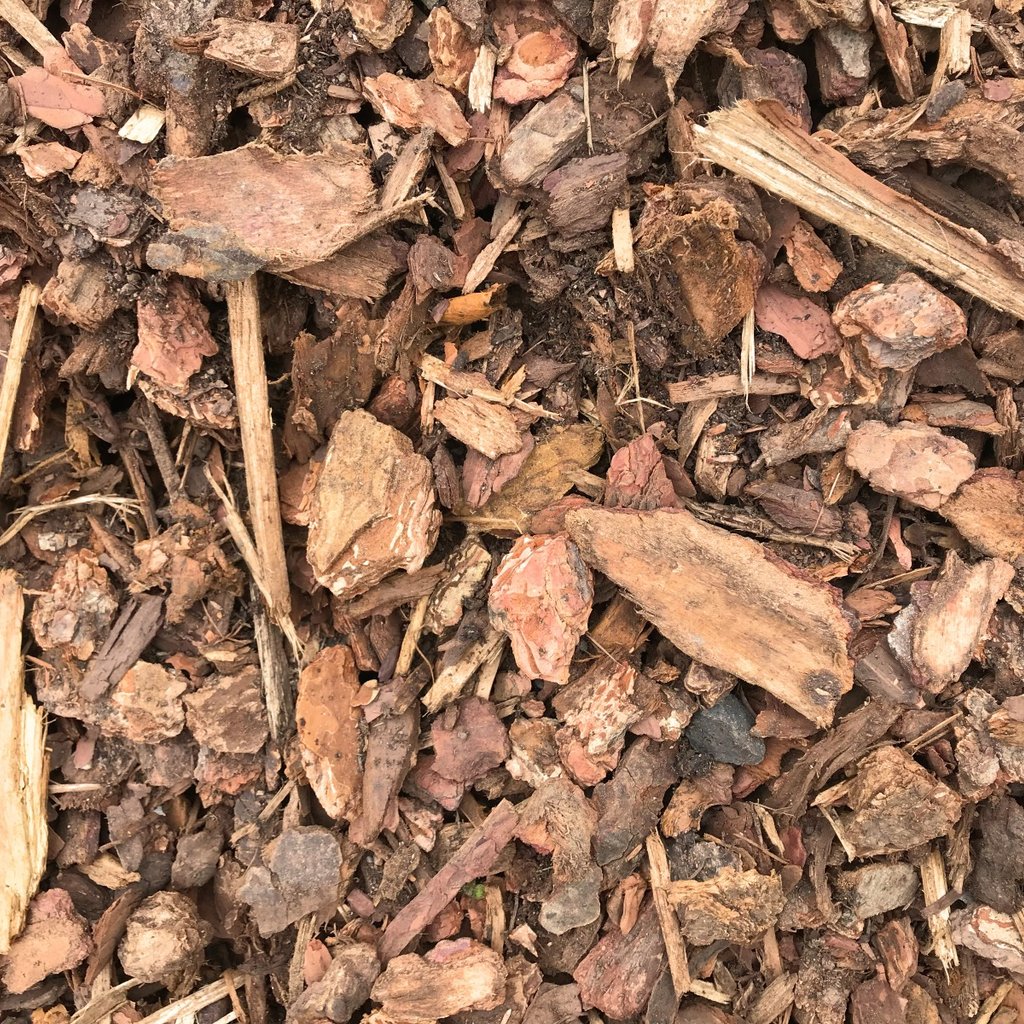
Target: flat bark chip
373, 509
690, 579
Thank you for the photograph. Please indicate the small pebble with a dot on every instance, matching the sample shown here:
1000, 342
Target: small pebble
723, 731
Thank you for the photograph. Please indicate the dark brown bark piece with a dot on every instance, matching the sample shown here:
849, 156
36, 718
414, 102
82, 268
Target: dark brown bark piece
582, 194
894, 804
997, 877
628, 804
690, 578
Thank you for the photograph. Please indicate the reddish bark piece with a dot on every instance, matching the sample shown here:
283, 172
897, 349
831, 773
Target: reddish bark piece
988, 510
227, 714
299, 873
454, 977
637, 478
474, 859
55, 939
267, 49
483, 477
469, 740
329, 728
379, 22
452, 50
426, 784
147, 703
690, 578
174, 335
57, 101
486, 427
163, 937
542, 596
937, 634
299, 208
965, 415
794, 508
76, 612
373, 509
735, 906
617, 976
902, 323
559, 820
815, 267
541, 51
917, 463
805, 325
596, 710
415, 104
894, 804
45, 159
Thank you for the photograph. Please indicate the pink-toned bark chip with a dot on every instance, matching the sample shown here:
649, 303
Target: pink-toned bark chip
541, 596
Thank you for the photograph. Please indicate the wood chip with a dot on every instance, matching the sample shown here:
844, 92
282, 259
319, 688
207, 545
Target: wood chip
793, 637
415, 104
25, 759
541, 596
373, 509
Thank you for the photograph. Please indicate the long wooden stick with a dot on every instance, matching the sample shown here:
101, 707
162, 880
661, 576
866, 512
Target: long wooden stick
761, 142
21, 335
24, 764
17, 14
257, 439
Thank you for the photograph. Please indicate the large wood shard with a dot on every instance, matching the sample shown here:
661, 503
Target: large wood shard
761, 142
988, 510
23, 829
288, 211
328, 723
692, 580
915, 462
894, 804
373, 510
936, 635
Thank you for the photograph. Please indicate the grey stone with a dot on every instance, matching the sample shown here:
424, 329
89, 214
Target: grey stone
723, 731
